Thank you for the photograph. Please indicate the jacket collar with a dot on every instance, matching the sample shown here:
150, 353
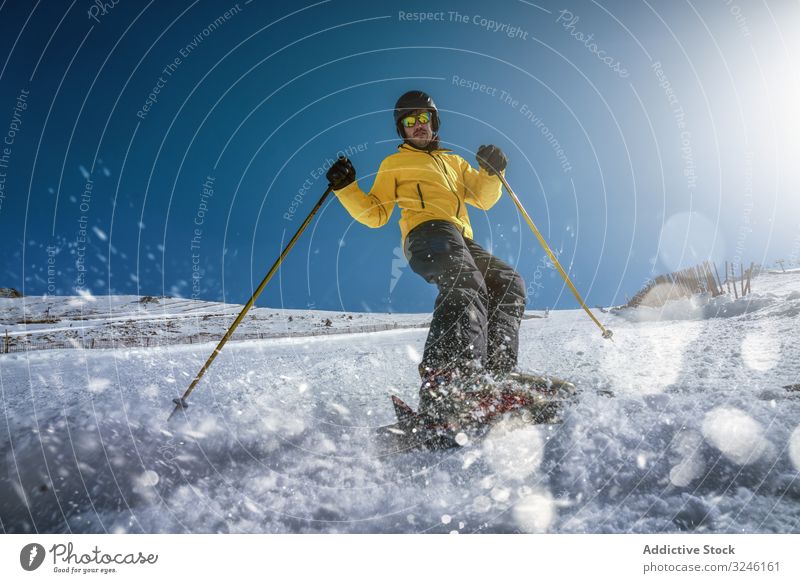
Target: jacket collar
409, 148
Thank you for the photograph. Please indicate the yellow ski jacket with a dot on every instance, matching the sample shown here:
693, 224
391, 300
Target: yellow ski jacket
427, 186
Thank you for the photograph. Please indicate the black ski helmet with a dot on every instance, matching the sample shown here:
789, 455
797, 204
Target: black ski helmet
411, 101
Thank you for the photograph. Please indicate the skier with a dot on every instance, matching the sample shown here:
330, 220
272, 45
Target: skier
481, 299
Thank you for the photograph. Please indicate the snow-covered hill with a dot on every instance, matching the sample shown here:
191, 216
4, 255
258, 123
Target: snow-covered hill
111, 321
701, 433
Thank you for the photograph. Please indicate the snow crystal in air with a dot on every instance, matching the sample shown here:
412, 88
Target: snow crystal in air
86, 294
760, 350
98, 385
100, 233
514, 449
737, 435
481, 504
149, 478
462, 439
535, 513
500, 494
413, 354
470, 458
794, 448
690, 463
446, 518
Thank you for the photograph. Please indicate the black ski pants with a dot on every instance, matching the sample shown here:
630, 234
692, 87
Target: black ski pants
480, 304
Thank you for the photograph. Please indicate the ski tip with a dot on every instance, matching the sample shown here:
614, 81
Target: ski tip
399, 402
402, 406
404, 413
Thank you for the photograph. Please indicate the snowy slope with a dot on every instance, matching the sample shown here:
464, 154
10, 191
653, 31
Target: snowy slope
149, 321
701, 434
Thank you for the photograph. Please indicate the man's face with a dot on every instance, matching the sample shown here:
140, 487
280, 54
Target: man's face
419, 134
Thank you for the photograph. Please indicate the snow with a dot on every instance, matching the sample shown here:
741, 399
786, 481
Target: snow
761, 350
794, 448
737, 435
535, 513
134, 320
700, 434
513, 449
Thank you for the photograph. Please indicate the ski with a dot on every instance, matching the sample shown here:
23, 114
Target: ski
536, 399
412, 431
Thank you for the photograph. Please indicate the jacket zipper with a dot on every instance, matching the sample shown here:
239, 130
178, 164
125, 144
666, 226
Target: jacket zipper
447, 178
419, 190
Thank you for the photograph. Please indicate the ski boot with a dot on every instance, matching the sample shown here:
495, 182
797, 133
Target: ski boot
539, 399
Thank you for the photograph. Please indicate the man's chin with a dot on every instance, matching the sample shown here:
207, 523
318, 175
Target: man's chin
419, 142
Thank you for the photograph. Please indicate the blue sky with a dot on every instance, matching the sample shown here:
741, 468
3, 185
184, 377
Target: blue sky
642, 137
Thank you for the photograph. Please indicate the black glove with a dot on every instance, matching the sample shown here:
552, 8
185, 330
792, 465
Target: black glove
341, 174
492, 159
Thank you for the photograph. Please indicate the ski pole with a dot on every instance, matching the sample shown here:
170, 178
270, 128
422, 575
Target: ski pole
607, 333
181, 402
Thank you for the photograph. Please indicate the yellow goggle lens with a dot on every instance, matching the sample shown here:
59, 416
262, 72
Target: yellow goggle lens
411, 120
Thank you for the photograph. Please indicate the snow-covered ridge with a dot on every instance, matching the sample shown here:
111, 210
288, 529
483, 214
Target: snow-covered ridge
125, 320
776, 294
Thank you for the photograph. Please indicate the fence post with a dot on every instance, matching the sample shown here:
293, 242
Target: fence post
6, 342
713, 278
719, 281
741, 271
727, 279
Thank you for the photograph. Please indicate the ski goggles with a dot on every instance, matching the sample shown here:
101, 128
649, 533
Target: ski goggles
411, 120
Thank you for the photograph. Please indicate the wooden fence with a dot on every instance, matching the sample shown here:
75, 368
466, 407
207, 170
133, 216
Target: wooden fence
698, 279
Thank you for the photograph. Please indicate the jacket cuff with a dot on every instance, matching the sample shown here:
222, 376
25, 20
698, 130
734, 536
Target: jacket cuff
485, 173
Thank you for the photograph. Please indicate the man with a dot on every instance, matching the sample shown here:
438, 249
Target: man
481, 298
